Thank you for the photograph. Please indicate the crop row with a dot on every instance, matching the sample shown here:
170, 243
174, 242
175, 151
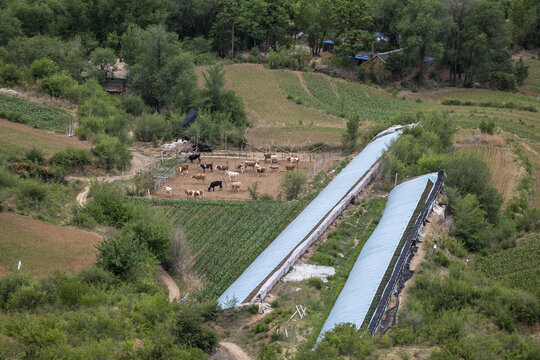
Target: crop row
37, 116
224, 238
513, 266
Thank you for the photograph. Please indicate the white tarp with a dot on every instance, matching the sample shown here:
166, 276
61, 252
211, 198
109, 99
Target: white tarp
300, 227
356, 297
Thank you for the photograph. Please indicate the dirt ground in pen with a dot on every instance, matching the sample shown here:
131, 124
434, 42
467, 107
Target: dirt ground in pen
268, 183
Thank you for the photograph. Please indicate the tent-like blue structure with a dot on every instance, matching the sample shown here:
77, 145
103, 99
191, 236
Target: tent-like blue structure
357, 296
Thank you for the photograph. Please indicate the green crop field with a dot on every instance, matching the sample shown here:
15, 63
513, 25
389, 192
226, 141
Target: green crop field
517, 267
224, 237
37, 116
290, 107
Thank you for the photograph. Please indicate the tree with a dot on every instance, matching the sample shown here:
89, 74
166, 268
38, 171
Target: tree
350, 15
162, 74
104, 59
10, 27
251, 17
350, 136
293, 183
470, 223
223, 32
121, 255
314, 17
422, 24
521, 71
130, 42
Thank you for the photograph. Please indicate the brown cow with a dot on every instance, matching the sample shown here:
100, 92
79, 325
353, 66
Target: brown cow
252, 164
184, 168
200, 177
222, 168
274, 167
290, 167
260, 170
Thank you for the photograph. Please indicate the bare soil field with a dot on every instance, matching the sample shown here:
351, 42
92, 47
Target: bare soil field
268, 183
43, 248
15, 137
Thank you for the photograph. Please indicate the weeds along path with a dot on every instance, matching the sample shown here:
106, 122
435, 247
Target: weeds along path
139, 162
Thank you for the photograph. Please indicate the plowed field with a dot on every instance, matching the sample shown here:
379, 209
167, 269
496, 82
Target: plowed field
43, 248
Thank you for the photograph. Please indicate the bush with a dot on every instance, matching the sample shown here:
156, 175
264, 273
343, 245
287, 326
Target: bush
521, 71
468, 173
487, 127
26, 297
107, 205
43, 68
316, 283
61, 85
9, 284
151, 126
72, 158
133, 104
112, 153
261, 327
34, 155
10, 75
121, 255
503, 81
293, 183
151, 230
470, 222
190, 331
350, 136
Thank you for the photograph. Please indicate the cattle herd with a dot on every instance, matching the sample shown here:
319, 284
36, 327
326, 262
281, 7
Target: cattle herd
270, 162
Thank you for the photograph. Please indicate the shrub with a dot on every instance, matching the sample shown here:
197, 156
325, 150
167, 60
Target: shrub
10, 75
43, 68
133, 104
261, 327
112, 153
61, 85
26, 297
293, 183
487, 127
191, 331
70, 291
107, 205
151, 230
71, 158
34, 155
315, 282
121, 255
350, 136
9, 285
470, 222
6, 179
503, 81
149, 126
521, 71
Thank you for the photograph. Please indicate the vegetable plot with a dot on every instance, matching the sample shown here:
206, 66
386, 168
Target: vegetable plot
37, 116
224, 237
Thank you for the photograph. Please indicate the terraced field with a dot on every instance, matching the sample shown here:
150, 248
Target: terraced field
224, 237
289, 107
505, 173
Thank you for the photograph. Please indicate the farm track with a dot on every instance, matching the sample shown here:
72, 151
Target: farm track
174, 291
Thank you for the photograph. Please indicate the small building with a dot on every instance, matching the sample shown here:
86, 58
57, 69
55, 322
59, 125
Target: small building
116, 83
328, 45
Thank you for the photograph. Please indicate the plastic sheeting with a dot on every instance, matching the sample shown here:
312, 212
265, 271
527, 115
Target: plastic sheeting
306, 221
354, 301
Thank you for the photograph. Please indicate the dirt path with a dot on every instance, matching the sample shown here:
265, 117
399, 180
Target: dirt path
235, 351
139, 162
303, 82
174, 291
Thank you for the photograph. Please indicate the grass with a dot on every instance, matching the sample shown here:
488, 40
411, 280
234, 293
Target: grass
37, 116
43, 248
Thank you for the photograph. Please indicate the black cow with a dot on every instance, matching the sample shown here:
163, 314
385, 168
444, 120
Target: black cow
193, 157
213, 184
205, 167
